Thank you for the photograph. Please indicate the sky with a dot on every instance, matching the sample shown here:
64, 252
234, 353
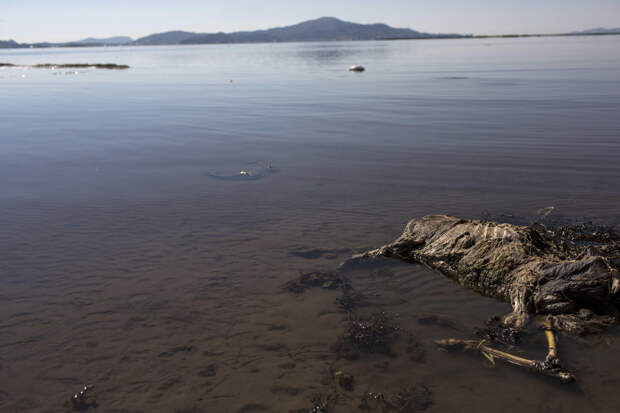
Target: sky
66, 20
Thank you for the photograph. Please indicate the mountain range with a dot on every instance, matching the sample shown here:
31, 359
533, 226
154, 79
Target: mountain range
322, 29
599, 30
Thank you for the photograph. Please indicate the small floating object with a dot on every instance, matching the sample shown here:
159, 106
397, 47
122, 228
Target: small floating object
357, 68
82, 401
244, 173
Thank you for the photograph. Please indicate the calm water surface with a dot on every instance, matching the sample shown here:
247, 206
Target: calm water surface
133, 257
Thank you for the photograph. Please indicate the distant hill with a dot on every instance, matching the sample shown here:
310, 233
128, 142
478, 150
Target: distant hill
175, 37
9, 44
111, 41
323, 29
599, 30
118, 40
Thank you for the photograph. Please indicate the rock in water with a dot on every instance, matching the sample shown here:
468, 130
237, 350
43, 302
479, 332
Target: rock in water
514, 264
357, 68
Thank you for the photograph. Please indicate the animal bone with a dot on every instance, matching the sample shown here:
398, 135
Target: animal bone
550, 366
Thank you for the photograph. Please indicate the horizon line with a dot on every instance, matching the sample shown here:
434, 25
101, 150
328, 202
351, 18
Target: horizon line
465, 35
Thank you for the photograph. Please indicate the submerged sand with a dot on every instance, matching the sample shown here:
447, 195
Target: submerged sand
194, 319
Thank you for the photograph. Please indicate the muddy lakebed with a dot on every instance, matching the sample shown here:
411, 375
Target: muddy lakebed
136, 257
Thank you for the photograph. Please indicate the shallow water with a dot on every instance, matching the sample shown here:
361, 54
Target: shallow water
129, 261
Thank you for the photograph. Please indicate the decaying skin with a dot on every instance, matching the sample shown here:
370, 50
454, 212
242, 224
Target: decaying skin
579, 295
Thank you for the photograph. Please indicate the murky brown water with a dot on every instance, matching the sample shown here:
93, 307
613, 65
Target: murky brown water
126, 265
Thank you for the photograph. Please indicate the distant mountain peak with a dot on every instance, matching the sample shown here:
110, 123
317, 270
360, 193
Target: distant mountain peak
9, 44
327, 18
325, 28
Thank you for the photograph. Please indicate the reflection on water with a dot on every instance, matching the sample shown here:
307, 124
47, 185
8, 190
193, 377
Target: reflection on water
329, 54
125, 265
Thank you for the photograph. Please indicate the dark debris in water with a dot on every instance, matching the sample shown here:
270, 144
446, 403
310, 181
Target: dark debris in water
496, 331
252, 408
413, 399
84, 399
574, 238
581, 239
307, 280
346, 381
175, 350
373, 334
316, 253
319, 404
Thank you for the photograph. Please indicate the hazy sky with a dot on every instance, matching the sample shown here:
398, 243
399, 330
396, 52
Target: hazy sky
64, 20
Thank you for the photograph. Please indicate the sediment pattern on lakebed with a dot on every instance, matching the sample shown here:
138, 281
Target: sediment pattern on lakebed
211, 333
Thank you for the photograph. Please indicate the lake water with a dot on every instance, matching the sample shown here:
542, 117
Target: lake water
134, 256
